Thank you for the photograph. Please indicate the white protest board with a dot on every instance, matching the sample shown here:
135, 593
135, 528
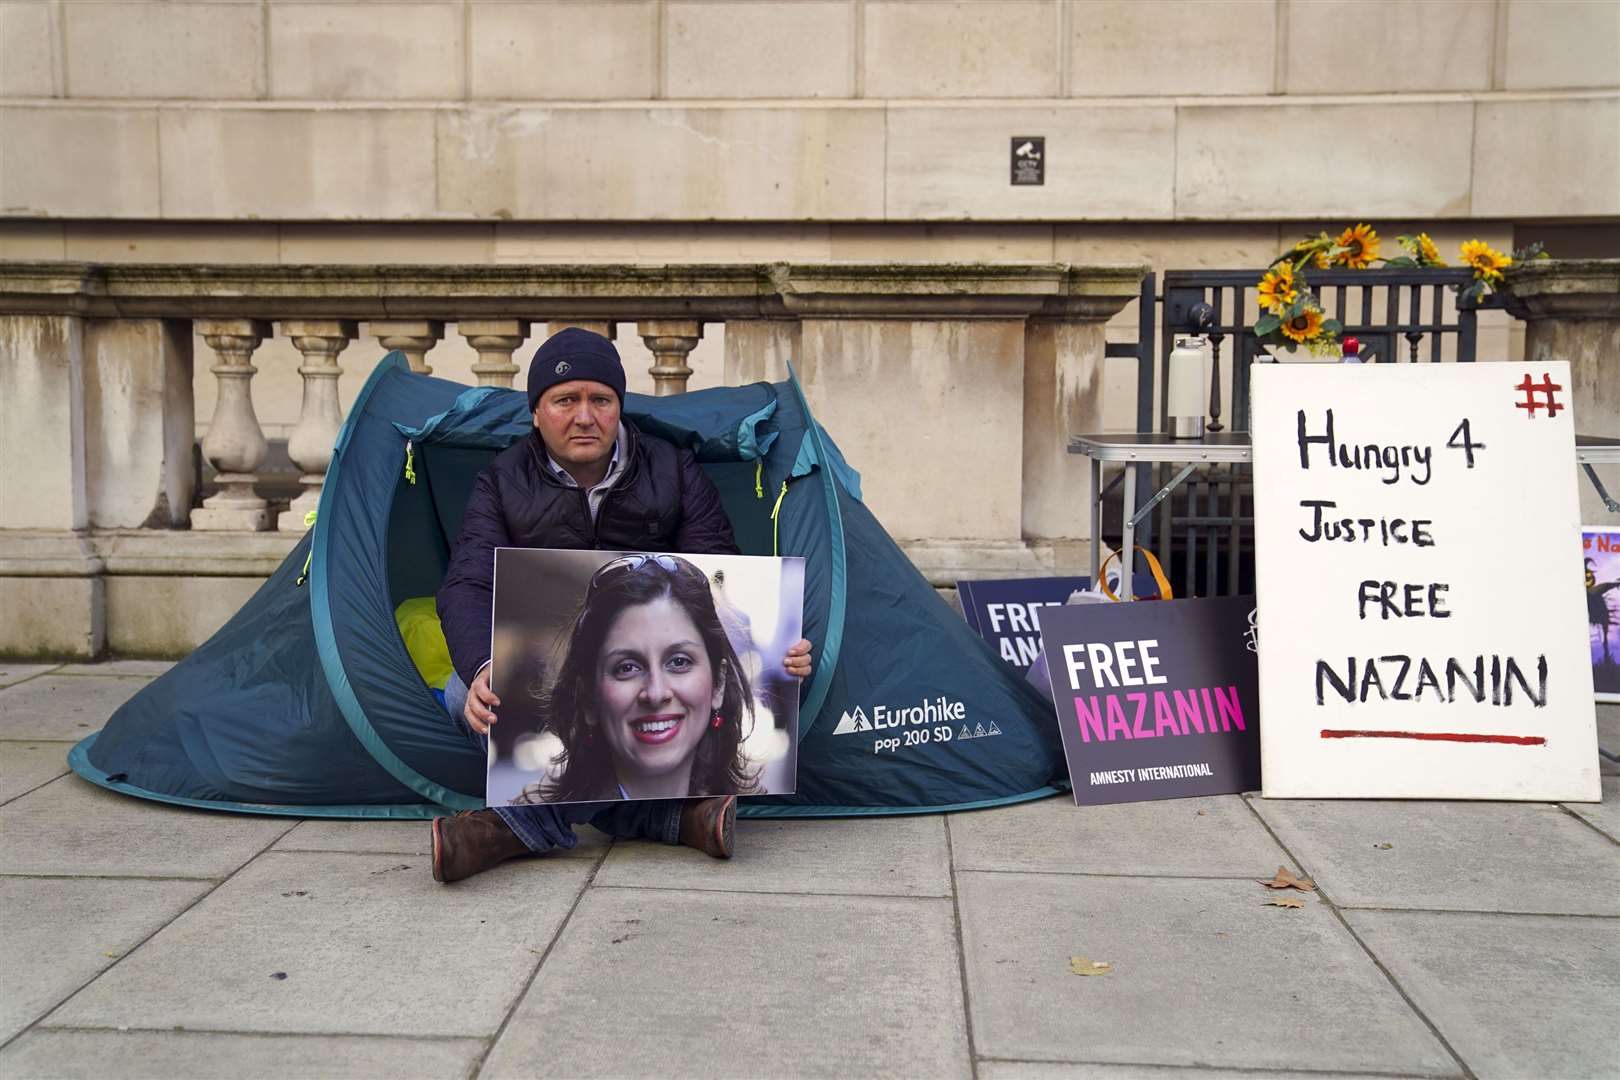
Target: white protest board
1422, 624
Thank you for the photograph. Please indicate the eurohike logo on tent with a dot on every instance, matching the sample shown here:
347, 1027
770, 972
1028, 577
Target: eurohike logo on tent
931, 720
853, 721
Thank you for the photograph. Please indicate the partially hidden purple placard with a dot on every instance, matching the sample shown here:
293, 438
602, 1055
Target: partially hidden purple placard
1006, 612
1601, 557
1156, 700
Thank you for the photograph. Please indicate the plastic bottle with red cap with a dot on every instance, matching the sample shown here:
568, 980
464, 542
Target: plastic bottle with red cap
1351, 353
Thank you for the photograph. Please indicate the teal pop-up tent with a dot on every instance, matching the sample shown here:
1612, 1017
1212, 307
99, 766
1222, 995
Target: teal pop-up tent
307, 701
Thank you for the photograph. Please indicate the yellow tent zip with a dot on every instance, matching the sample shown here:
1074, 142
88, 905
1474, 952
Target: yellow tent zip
759, 478
309, 522
776, 529
410, 454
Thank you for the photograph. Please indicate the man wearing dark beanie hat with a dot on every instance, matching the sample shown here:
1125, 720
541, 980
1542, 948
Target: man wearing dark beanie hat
584, 478
575, 354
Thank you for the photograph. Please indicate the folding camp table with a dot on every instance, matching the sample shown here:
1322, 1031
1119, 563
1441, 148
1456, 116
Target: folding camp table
1231, 448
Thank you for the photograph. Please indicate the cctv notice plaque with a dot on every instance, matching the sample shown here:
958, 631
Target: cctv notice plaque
1155, 700
1028, 160
1418, 558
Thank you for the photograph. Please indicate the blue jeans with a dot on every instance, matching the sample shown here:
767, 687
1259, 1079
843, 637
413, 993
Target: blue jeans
543, 828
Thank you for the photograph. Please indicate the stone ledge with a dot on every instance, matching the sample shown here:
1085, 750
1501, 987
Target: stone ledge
143, 552
713, 291
967, 290
156, 593
182, 553
1567, 288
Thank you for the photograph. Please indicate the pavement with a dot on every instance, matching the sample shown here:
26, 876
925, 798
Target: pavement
1444, 939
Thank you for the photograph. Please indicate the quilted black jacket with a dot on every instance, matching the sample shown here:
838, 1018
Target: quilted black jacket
661, 502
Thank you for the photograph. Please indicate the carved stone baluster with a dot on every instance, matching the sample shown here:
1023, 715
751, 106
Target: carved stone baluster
235, 445
413, 338
671, 342
321, 418
495, 340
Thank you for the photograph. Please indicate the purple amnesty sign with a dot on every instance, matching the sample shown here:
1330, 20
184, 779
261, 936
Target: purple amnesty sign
1601, 556
1156, 700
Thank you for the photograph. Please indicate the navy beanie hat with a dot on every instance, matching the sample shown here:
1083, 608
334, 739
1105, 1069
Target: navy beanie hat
575, 354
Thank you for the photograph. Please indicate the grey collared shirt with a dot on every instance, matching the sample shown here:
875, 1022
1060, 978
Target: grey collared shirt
594, 495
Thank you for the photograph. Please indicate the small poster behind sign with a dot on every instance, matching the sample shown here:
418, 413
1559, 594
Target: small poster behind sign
1155, 701
1601, 551
1438, 651
1007, 612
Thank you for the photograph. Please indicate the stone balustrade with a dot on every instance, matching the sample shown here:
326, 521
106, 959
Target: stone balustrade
953, 387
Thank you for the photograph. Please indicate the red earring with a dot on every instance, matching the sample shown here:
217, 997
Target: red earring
718, 720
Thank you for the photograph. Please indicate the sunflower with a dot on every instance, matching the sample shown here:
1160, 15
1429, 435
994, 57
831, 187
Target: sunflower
1277, 289
1304, 326
1428, 254
1488, 264
1311, 250
1360, 244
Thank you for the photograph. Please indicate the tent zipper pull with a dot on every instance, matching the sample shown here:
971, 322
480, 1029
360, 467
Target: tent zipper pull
410, 454
776, 529
759, 478
303, 575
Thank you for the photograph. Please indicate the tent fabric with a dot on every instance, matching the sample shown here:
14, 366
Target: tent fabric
309, 703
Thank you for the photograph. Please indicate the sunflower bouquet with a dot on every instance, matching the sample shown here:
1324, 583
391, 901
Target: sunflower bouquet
1292, 316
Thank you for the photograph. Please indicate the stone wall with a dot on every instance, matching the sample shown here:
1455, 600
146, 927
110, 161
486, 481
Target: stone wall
808, 110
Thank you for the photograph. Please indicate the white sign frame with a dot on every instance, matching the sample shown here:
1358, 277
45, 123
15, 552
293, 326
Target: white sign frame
1484, 590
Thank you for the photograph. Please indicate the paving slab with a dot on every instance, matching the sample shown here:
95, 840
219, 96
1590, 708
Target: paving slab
1457, 856
1053, 1070
899, 856
183, 1055
71, 826
717, 984
1209, 837
400, 837
24, 766
57, 933
1515, 995
150, 669
11, 674
1205, 973
63, 706
367, 945
1604, 815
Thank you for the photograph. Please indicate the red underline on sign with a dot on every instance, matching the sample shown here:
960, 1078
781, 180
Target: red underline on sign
1437, 736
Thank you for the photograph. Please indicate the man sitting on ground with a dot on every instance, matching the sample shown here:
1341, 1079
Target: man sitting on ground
584, 478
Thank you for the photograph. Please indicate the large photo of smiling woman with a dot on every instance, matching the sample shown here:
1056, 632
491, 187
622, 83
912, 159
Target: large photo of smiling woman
642, 675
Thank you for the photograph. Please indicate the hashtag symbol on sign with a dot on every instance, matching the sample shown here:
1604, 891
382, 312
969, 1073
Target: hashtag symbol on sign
1530, 389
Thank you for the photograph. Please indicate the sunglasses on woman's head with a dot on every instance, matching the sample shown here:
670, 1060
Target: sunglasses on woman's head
633, 563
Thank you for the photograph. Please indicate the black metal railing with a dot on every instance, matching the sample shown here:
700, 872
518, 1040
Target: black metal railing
1203, 532
1393, 313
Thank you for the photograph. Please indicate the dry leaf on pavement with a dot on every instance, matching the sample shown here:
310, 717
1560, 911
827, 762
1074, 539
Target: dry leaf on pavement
1286, 880
1286, 901
1080, 965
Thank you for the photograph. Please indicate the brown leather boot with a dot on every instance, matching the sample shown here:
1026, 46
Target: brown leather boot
707, 824
471, 843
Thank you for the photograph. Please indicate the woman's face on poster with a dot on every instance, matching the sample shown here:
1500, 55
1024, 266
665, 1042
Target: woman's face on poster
656, 690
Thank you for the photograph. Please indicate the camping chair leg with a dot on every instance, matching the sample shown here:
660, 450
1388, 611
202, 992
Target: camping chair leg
1127, 553
1096, 518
